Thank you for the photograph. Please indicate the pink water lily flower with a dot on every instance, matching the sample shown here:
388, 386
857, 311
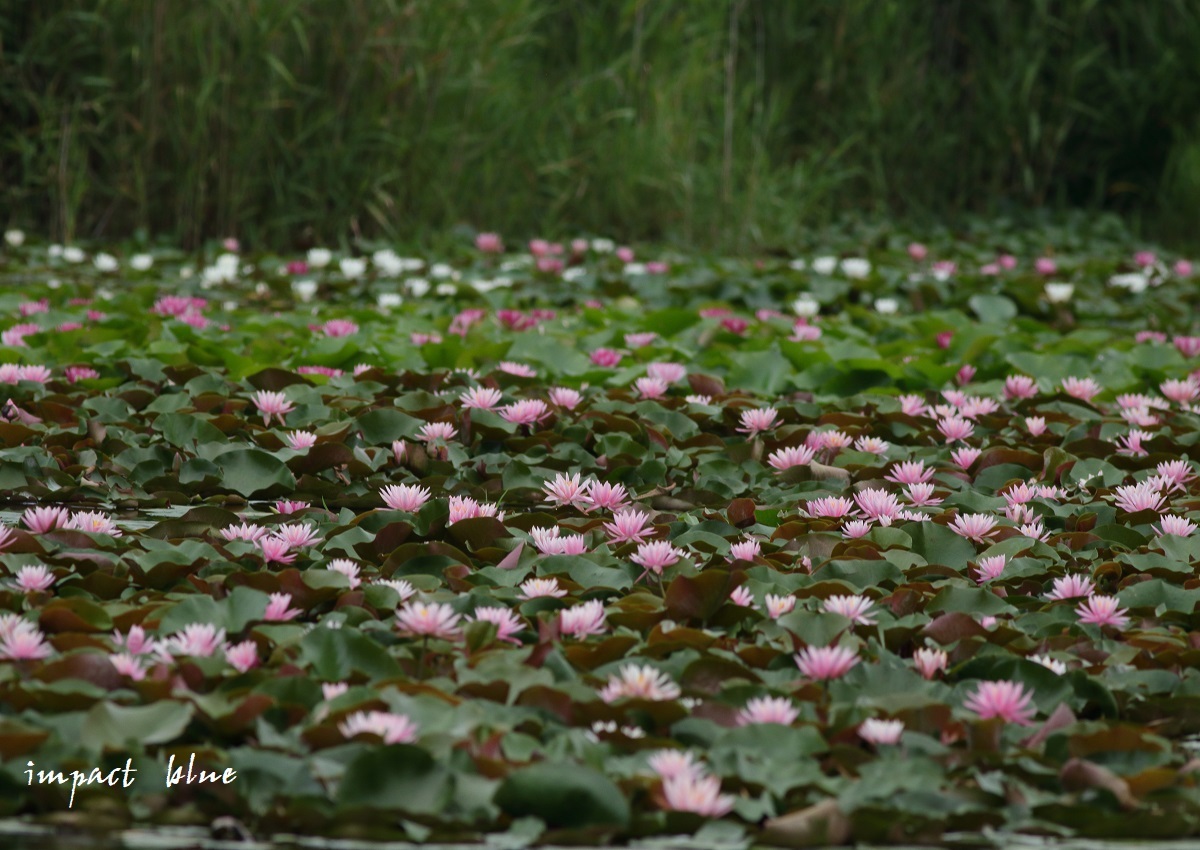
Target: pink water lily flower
272, 404
586, 618
912, 405
777, 606
41, 520
33, 577
405, 497
298, 535
136, 642
757, 421
300, 440
93, 522
567, 491
779, 710
526, 412
856, 528
628, 526
200, 640
392, 728
832, 507
347, 568
929, 662
24, 641
881, 732
1102, 611
876, 504
921, 495
955, 428
278, 610
854, 608
242, 656
128, 665
506, 622
669, 372
651, 388
975, 527
656, 556
464, 507
745, 550
1180, 392
536, 588
783, 459
432, 432
1084, 389
480, 398
909, 472
434, 619
1176, 473
991, 568
1071, 586
1177, 525
669, 763
1019, 386
246, 531
403, 589
520, 370
489, 243
565, 397
275, 550
610, 497
964, 457
643, 682
690, 792
606, 358
741, 596
1139, 497
1005, 699
826, 662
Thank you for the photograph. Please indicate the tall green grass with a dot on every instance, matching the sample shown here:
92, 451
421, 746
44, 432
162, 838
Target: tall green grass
731, 124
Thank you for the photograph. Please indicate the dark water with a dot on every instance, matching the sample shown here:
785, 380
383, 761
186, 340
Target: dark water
22, 836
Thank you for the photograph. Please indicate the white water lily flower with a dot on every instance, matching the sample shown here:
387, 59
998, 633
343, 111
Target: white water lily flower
73, 255
886, 306
824, 265
387, 262
304, 289
105, 262
352, 267
798, 265
141, 262
603, 246
418, 286
805, 305
856, 267
15, 238
1133, 281
1059, 293
318, 258
388, 300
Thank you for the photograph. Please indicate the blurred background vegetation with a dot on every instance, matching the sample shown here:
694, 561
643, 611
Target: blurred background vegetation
725, 124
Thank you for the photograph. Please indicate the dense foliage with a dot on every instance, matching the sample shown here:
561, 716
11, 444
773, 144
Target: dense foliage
729, 124
578, 545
